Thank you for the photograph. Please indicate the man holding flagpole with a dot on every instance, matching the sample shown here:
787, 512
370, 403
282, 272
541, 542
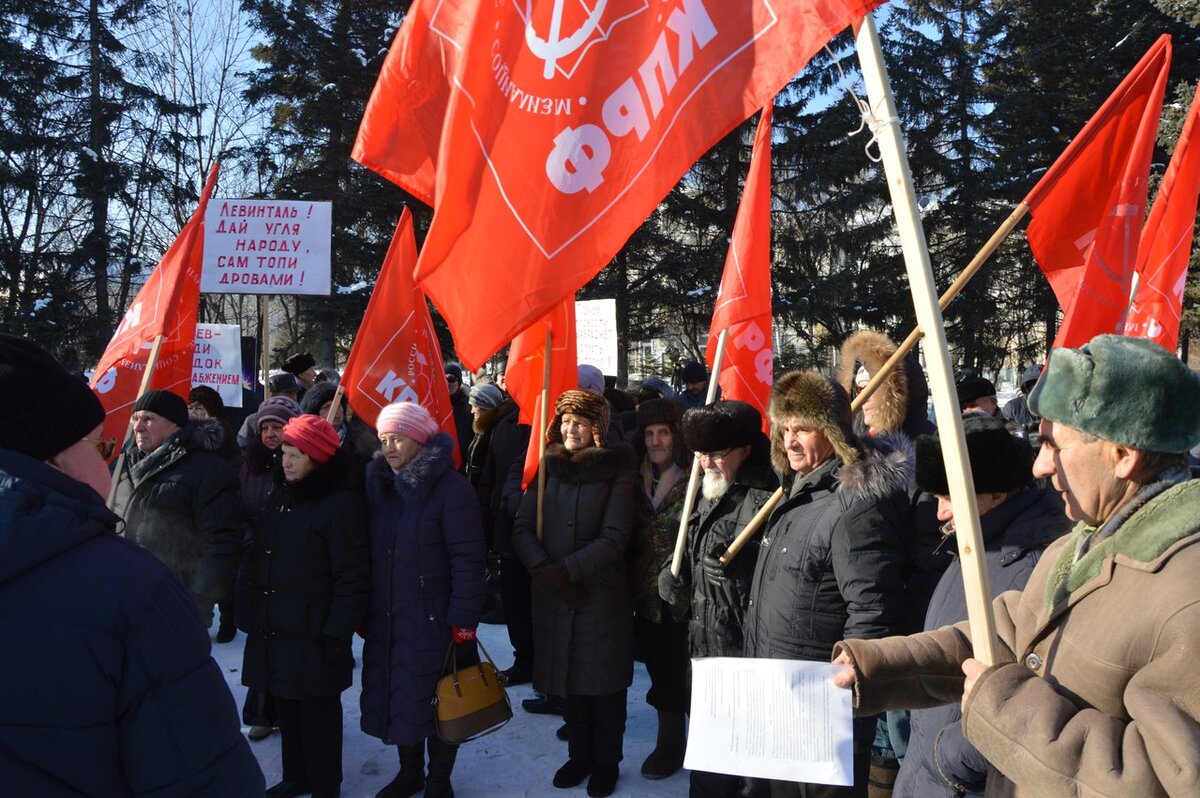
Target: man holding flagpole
1090, 694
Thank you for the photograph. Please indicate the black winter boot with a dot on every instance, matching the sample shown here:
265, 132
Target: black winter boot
411, 779
441, 764
667, 756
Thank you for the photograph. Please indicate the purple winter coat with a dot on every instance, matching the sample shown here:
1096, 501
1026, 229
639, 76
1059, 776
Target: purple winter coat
427, 558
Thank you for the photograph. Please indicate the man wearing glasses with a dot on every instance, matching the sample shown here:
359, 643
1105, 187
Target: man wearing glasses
108, 685
727, 437
460, 401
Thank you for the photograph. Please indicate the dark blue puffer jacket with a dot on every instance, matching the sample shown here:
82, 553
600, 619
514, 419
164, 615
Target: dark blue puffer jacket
106, 683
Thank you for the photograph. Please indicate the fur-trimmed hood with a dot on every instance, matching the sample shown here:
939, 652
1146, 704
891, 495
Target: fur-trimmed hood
488, 419
902, 403
885, 466
416, 479
593, 464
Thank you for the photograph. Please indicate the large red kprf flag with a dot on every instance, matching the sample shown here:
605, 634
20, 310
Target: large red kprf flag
395, 357
568, 123
744, 301
168, 305
526, 363
1166, 245
1088, 208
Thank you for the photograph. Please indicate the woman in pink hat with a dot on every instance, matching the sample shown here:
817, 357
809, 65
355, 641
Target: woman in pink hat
302, 592
427, 557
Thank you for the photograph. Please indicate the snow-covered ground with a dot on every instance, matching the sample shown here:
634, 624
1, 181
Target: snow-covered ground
518, 760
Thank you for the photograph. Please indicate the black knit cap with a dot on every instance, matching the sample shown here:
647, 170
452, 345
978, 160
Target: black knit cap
1000, 462
169, 405
43, 408
971, 388
299, 363
318, 395
722, 425
659, 411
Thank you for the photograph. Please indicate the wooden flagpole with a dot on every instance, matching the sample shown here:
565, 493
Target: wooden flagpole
543, 420
337, 397
155, 348
879, 376
264, 312
937, 354
689, 501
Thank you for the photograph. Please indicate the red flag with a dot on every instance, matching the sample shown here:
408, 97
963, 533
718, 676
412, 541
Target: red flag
1166, 244
167, 305
1088, 208
395, 357
402, 123
744, 301
567, 125
525, 367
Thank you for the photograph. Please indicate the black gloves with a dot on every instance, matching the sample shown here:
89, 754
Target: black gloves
714, 569
552, 577
336, 651
671, 588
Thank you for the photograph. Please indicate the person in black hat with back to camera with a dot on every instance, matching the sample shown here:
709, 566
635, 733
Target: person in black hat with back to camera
113, 691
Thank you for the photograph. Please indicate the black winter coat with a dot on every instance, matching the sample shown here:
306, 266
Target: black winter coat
588, 523
718, 610
460, 403
427, 558
180, 503
480, 467
108, 686
259, 472
940, 762
304, 587
832, 559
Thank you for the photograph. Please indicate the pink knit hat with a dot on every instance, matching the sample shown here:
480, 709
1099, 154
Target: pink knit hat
312, 435
408, 419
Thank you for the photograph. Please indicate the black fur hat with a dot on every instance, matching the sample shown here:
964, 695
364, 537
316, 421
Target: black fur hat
722, 425
299, 363
971, 388
659, 411
1000, 462
815, 401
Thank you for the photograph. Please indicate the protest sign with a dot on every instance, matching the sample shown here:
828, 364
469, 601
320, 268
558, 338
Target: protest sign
596, 334
217, 361
267, 247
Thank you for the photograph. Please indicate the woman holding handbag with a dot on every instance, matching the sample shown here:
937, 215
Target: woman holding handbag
582, 604
302, 593
427, 558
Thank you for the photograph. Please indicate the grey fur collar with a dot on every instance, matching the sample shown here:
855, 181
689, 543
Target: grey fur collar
416, 479
196, 435
887, 465
593, 464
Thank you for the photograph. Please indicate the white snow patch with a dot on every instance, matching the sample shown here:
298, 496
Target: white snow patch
352, 289
89, 152
519, 760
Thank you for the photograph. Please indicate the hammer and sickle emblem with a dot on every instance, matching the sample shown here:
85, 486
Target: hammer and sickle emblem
554, 47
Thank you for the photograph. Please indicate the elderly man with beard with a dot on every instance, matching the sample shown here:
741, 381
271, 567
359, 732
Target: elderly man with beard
832, 558
727, 437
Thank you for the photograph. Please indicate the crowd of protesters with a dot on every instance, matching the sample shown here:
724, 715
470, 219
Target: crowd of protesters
305, 526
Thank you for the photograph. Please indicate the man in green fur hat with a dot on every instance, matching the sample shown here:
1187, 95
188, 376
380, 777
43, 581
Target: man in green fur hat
1093, 692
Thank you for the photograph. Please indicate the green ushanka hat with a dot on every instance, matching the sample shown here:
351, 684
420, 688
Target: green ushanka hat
1126, 390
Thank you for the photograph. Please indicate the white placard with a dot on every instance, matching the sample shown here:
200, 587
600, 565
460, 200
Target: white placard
267, 247
771, 719
218, 361
596, 334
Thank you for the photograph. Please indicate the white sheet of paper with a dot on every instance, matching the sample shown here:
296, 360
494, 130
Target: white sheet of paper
770, 718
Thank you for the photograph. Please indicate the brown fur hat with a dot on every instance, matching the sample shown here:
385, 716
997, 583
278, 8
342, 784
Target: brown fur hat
872, 349
587, 404
815, 401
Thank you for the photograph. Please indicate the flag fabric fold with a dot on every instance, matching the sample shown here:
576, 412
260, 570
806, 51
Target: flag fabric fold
396, 357
523, 379
567, 124
1166, 244
168, 304
1087, 209
744, 300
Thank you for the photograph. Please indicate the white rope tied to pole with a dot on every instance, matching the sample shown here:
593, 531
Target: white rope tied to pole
868, 119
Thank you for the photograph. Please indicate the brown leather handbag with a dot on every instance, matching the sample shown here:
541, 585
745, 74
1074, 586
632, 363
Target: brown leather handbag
471, 702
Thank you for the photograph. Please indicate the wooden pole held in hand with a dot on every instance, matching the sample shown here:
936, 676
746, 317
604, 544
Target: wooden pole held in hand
333, 404
937, 354
543, 420
689, 501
